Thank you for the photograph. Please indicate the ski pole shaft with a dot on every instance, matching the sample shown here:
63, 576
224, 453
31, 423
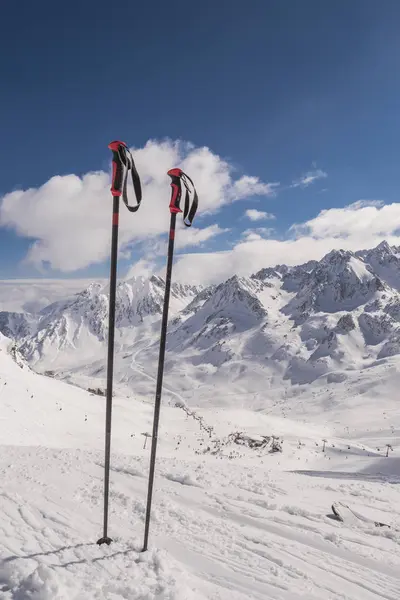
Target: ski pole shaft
177, 176
116, 190
110, 366
160, 374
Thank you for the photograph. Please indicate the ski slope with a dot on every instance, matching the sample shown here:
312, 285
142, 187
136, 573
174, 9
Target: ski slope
229, 522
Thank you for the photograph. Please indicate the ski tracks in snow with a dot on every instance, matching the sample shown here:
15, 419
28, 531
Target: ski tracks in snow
220, 531
280, 557
48, 547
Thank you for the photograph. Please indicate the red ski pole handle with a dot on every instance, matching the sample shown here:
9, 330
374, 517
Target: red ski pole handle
118, 163
176, 194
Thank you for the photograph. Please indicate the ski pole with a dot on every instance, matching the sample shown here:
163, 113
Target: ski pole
177, 177
122, 162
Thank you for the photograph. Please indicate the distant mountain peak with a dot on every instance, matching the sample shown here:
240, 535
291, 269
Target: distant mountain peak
381, 252
337, 258
383, 261
340, 281
336, 255
384, 246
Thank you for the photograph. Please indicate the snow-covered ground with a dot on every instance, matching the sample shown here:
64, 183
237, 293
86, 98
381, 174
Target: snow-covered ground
229, 522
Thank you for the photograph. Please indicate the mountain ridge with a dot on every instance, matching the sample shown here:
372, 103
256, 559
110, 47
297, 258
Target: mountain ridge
287, 325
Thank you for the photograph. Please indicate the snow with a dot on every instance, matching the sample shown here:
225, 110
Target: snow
229, 522
360, 269
385, 262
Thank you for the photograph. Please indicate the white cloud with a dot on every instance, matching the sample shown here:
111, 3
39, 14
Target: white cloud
309, 178
359, 221
196, 237
69, 217
31, 295
258, 233
355, 227
252, 186
258, 215
157, 252
251, 236
142, 268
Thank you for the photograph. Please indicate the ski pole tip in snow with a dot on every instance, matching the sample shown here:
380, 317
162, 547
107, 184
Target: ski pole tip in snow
104, 540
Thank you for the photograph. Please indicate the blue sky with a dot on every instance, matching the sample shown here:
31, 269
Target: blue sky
278, 89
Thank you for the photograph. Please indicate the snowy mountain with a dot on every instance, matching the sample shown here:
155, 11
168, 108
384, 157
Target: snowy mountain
340, 281
341, 313
293, 278
231, 309
17, 325
80, 323
384, 261
283, 325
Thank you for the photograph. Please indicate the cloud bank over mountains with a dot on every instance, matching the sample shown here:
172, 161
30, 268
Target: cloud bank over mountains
68, 219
